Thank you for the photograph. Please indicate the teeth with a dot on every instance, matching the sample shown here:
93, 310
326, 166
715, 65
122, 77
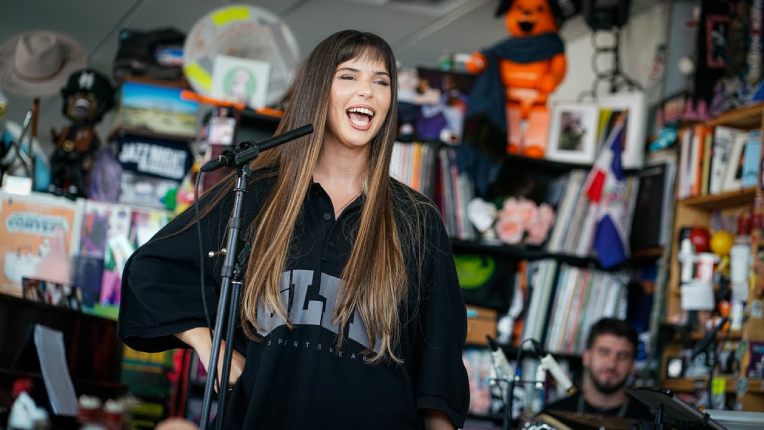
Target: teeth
359, 123
362, 110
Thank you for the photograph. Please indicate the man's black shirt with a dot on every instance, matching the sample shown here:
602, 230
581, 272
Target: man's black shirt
298, 379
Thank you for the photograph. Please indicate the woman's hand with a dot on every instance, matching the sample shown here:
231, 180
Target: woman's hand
199, 339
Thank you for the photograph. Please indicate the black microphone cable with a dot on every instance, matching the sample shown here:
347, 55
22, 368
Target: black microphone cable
197, 221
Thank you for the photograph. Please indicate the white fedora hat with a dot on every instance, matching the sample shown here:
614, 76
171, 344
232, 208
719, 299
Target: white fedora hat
38, 62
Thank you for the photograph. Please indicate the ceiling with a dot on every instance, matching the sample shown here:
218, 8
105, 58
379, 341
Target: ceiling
418, 30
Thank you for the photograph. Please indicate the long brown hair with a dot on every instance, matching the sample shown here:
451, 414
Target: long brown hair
374, 281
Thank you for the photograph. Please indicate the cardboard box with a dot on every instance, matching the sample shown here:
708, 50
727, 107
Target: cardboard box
481, 322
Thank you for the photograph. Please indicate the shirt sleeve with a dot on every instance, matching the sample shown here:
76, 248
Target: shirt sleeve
161, 292
441, 377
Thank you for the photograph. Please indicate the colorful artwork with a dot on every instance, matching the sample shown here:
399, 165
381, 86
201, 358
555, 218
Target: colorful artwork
28, 229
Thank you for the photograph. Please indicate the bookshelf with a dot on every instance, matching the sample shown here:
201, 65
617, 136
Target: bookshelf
745, 118
723, 200
532, 253
698, 211
755, 386
520, 252
93, 352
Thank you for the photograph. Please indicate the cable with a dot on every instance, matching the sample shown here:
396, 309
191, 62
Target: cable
197, 221
516, 378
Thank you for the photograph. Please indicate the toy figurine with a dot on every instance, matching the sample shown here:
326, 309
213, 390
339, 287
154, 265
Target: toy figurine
87, 96
531, 64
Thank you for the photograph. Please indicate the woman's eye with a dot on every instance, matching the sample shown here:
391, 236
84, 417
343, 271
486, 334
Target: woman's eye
347, 77
383, 83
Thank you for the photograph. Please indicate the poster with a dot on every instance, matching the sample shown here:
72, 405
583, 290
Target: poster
29, 228
241, 80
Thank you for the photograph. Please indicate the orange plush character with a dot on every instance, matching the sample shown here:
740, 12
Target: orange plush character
531, 64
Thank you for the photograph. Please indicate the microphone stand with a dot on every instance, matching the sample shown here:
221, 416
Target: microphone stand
547, 364
232, 271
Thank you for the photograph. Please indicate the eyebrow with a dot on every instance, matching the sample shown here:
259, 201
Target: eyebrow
350, 69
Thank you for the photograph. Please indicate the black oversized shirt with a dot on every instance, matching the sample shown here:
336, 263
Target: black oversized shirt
298, 379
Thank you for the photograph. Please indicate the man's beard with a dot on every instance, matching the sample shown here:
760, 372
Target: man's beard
606, 388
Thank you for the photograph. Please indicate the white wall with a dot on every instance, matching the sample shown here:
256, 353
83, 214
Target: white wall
639, 41
416, 38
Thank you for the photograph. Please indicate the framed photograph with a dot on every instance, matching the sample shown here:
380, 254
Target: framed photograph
716, 40
240, 80
573, 133
733, 176
635, 106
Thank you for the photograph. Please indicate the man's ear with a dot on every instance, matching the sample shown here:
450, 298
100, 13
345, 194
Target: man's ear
586, 358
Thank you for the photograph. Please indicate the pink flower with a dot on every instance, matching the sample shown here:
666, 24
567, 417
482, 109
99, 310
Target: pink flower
528, 211
546, 214
537, 233
509, 229
511, 206
521, 208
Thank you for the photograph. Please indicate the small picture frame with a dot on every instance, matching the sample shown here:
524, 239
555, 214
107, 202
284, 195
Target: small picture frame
635, 106
573, 133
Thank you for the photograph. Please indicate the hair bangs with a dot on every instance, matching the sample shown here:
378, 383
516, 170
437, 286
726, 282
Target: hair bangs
367, 46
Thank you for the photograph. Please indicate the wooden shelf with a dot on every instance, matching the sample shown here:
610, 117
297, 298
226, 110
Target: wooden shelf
747, 118
684, 385
732, 335
722, 200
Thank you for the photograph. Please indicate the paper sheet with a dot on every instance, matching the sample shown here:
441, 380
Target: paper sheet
55, 373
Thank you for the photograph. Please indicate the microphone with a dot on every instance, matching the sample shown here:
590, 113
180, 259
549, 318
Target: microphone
222, 160
500, 361
231, 157
253, 149
548, 363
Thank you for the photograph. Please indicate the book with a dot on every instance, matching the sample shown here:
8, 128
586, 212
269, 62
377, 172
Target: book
723, 139
647, 228
685, 140
751, 160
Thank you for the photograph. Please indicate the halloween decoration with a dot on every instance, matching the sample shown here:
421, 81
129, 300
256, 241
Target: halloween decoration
525, 69
87, 96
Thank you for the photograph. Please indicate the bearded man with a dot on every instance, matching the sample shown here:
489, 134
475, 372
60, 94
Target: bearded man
608, 364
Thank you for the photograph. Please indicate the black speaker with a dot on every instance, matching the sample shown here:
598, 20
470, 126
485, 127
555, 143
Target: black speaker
606, 14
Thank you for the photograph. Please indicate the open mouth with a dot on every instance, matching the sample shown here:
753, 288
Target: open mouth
360, 117
526, 26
